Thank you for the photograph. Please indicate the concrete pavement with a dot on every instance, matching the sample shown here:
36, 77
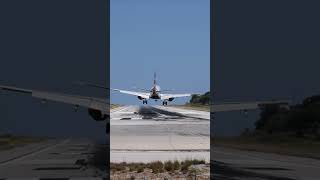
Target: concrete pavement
239, 164
55, 159
148, 133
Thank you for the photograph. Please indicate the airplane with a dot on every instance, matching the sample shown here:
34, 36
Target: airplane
154, 93
99, 108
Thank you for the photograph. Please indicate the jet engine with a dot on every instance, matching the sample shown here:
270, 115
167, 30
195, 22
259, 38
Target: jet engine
97, 115
170, 99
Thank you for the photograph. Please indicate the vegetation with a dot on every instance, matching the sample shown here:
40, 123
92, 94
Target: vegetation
8, 141
203, 99
198, 102
156, 166
301, 120
118, 167
136, 167
176, 165
168, 166
187, 163
294, 130
113, 106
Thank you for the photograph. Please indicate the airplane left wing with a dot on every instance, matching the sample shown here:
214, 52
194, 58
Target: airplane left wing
138, 94
169, 96
88, 102
234, 106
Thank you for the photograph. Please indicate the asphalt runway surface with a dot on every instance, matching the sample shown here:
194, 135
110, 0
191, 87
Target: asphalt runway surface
150, 133
144, 134
239, 164
59, 159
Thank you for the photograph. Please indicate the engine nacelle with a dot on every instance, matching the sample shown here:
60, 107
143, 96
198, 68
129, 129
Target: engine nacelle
170, 99
97, 115
140, 98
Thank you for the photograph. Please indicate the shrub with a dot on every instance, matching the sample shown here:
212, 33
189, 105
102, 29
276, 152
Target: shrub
140, 169
168, 166
136, 167
185, 165
176, 165
157, 166
197, 161
118, 167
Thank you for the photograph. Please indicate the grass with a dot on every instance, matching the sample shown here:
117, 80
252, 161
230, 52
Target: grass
8, 141
278, 143
199, 107
156, 166
187, 163
113, 106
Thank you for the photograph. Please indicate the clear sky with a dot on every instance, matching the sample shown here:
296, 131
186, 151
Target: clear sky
171, 38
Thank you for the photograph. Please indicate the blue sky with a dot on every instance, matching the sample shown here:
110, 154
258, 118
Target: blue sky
171, 38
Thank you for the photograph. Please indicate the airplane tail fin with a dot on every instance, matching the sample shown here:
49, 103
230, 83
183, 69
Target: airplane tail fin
155, 79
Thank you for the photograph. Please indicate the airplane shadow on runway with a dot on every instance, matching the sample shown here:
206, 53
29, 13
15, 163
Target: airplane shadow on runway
149, 112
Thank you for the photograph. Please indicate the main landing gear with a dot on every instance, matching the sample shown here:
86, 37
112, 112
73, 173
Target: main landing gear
164, 103
144, 102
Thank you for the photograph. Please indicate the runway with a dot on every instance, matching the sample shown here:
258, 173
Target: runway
144, 134
73, 159
234, 164
149, 133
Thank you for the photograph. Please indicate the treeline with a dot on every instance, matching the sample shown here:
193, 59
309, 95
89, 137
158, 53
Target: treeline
300, 120
203, 99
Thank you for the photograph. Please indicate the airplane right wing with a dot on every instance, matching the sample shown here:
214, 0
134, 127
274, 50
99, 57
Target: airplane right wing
168, 96
143, 95
234, 106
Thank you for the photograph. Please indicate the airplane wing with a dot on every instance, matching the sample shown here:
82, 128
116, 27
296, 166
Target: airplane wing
168, 96
88, 102
143, 95
234, 106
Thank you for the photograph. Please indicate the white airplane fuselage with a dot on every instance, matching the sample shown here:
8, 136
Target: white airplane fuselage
155, 92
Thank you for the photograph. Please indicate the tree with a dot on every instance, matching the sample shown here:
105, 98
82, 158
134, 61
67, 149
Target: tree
203, 99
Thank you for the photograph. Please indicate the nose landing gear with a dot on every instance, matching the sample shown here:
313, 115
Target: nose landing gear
164, 103
144, 102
